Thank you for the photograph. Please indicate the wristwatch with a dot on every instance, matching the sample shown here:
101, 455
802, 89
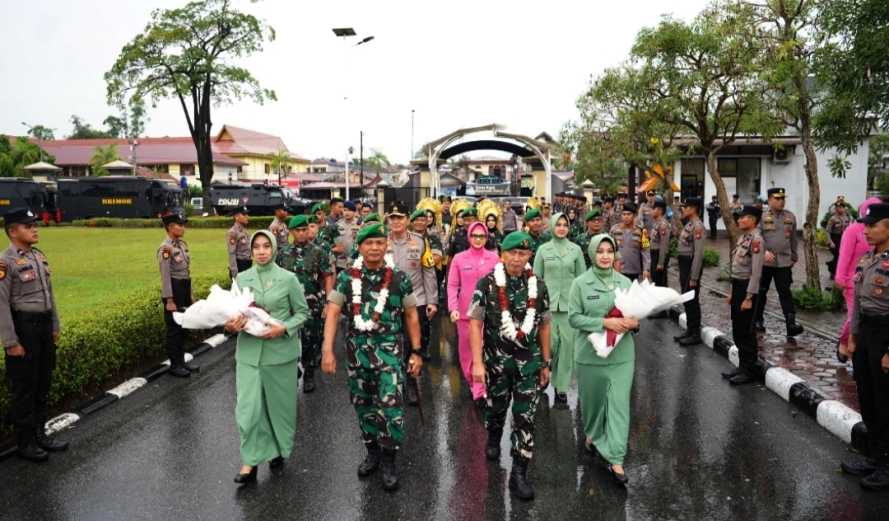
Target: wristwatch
548, 364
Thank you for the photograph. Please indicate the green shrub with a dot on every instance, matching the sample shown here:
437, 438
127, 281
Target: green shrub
256, 222
100, 344
814, 300
821, 238
711, 258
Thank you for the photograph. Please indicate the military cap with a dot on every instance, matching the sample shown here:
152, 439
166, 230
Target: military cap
749, 209
397, 209
595, 213
533, 213
419, 212
371, 218
312, 219
629, 206
240, 209
297, 221
693, 201
20, 216
375, 230
516, 240
472, 210
174, 217
349, 205
776, 192
876, 213
319, 207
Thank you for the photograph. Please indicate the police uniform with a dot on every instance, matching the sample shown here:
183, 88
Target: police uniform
713, 214
660, 247
278, 227
174, 264
311, 265
239, 254
645, 217
28, 318
691, 266
633, 245
870, 328
513, 366
779, 234
835, 227
407, 253
375, 359
747, 262
345, 237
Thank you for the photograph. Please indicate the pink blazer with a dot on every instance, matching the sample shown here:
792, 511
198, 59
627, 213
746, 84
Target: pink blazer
466, 269
853, 246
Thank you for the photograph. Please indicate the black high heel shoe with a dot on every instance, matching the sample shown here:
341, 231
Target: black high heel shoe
276, 463
250, 477
840, 356
619, 478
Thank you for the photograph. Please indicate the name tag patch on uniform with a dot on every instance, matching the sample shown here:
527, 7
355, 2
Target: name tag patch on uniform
27, 275
592, 297
21, 262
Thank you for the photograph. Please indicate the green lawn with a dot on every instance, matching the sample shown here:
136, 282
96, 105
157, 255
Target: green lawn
89, 265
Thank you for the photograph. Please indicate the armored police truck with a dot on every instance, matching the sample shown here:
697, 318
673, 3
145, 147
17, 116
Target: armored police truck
25, 193
115, 196
259, 199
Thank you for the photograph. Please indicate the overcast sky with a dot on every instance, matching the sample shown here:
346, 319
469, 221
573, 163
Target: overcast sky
458, 63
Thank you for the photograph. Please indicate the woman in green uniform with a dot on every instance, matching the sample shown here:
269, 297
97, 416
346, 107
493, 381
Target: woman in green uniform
603, 384
266, 366
558, 262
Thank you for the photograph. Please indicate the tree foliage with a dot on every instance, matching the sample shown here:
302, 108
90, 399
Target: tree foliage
101, 157
189, 54
16, 154
41, 132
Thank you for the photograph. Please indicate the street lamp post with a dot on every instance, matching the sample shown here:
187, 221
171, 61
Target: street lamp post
411, 156
349, 151
361, 162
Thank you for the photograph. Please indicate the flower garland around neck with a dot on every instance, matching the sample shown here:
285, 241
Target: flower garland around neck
361, 323
507, 323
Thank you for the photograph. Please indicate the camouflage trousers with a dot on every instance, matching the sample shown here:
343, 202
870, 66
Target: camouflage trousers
376, 376
311, 335
513, 377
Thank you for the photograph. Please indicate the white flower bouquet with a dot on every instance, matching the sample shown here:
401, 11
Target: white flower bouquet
639, 301
220, 306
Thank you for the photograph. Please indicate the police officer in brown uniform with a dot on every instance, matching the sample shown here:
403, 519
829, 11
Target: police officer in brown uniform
747, 261
836, 225
239, 254
278, 227
779, 233
869, 345
660, 243
632, 242
691, 265
176, 295
29, 326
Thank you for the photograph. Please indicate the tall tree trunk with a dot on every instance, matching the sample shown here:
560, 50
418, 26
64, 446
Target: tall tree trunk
722, 197
813, 273
202, 142
631, 183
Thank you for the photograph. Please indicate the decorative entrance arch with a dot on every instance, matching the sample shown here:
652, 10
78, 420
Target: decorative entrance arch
517, 144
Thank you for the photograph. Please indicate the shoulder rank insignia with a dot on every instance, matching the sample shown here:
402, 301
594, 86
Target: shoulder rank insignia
2, 270
755, 246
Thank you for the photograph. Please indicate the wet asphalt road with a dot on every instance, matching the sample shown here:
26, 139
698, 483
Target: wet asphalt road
699, 449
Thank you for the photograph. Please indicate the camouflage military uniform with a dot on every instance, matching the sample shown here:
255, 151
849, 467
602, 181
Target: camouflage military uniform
513, 369
536, 242
311, 264
375, 362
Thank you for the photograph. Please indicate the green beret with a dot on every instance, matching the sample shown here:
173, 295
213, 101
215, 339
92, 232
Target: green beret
312, 219
369, 232
466, 212
297, 221
592, 214
516, 240
532, 214
318, 207
371, 218
419, 212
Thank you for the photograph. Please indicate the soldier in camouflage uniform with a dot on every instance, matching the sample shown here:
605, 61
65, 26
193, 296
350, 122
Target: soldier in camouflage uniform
514, 368
327, 233
537, 233
374, 349
312, 267
323, 245
595, 222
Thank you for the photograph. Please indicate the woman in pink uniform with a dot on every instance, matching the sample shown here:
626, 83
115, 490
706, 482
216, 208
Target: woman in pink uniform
852, 247
466, 269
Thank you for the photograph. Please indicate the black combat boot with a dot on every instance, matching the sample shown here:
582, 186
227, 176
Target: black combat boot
390, 474
28, 448
859, 466
682, 335
309, 379
793, 328
518, 479
410, 391
693, 338
371, 461
492, 449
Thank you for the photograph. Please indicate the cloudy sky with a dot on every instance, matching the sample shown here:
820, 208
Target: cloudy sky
458, 63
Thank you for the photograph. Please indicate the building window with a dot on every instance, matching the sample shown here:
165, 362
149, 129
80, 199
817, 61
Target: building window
186, 169
268, 168
692, 182
741, 176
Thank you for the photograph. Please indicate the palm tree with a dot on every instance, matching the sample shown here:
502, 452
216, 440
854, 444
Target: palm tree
280, 161
101, 157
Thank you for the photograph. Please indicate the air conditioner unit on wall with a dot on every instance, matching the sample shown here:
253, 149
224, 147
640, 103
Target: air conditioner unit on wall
782, 155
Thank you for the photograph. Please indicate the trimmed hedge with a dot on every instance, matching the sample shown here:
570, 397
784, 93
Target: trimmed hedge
259, 221
96, 346
711, 258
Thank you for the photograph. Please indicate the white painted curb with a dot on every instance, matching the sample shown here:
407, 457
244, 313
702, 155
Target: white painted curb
127, 387
780, 380
837, 418
60, 423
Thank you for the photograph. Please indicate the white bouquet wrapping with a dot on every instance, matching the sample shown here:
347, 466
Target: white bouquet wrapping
220, 306
640, 300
